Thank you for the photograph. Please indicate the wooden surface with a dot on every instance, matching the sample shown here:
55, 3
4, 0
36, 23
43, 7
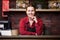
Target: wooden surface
32, 36
36, 9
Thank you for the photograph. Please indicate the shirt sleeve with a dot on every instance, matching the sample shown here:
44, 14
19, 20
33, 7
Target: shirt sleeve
22, 29
39, 27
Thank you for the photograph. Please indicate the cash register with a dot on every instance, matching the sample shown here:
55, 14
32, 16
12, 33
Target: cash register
5, 28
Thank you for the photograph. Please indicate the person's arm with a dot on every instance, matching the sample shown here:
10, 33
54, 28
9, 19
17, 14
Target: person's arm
23, 30
39, 27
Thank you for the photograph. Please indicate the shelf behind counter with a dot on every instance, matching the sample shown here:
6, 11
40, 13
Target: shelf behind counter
36, 9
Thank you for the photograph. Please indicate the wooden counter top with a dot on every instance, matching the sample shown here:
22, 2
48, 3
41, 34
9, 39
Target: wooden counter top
29, 37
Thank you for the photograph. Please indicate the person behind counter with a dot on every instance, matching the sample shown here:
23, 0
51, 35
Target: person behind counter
31, 24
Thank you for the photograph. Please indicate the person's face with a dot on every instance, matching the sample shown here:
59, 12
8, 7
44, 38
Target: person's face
30, 11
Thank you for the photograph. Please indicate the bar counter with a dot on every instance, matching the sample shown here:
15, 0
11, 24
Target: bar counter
30, 37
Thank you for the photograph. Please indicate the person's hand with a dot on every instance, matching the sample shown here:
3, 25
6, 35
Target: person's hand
35, 34
35, 19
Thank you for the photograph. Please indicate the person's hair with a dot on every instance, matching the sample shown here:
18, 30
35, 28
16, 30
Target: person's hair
31, 6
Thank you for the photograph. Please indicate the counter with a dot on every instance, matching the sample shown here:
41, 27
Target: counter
30, 37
